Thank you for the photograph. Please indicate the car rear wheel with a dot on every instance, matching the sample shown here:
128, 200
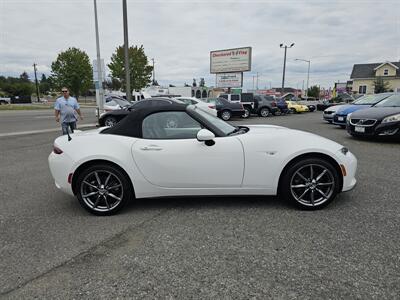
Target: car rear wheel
110, 121
293, 110
103, 189
264, 112
310, 184
246, 113
226, 115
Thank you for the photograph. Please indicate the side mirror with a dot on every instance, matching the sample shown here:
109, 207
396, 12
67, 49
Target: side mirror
206, 136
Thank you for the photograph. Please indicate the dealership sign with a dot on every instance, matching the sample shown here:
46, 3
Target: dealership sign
230, 60
229, 80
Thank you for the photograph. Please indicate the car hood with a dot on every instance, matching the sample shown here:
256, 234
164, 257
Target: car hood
376, 112
351, 108
335, 108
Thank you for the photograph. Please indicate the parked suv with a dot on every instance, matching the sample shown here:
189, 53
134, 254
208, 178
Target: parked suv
264, 106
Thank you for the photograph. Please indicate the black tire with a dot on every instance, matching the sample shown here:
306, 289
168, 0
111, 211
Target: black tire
293, 111
247, 113
293, 185
94, 196
226, 115
264, 112
110, 121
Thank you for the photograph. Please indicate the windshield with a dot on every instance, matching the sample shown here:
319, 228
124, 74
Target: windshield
391, 101
226, 128
370, 99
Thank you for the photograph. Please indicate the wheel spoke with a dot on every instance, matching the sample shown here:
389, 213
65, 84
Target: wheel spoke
311, 172
113, 196
320, 175
325, 183
312, 197
114, 187
97, 202
91, 185
322, 193
302, 195
301, 175
90, 194
299, 186
108, 178
97, 178
108, 204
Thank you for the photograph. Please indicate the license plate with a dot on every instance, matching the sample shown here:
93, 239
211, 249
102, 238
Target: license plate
359, 129
340, 118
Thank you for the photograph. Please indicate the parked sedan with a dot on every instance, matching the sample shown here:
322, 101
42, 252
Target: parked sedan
364, 102
207, 107
141, 157
380, 120
226, 109
113, 103
296, 107
111, 118
330, 112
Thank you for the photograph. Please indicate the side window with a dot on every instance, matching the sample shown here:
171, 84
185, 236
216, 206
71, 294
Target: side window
224, 96
170, 125
193, 102
235, 98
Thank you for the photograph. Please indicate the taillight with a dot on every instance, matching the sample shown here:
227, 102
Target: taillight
57, 150
211, 106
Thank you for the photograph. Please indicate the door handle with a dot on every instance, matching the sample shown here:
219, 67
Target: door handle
151, 148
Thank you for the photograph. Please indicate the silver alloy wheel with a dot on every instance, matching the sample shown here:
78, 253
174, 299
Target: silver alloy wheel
102, 190
226, 115
246, 113
110, 122
312, 185
264, 112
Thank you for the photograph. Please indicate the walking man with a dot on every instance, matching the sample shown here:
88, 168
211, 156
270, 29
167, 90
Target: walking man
66, 108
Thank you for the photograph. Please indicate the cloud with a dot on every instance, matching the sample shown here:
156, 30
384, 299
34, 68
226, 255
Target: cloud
179, 35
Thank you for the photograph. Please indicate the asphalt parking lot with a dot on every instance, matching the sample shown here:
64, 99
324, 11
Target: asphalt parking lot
200, 248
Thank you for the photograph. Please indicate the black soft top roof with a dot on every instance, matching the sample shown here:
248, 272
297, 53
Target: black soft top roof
131, 125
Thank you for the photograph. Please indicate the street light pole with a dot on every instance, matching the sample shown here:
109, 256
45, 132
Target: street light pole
99, 88
154, 73
284, 65
36, 82
126, 52
308, 73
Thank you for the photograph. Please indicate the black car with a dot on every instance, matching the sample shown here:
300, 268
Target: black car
380, 120
226, 109
113, 117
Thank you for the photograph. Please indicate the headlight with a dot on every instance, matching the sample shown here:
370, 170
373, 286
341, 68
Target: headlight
348, 118
394, 118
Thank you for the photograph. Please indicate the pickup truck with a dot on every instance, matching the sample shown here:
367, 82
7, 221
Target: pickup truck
4, 100
254, 104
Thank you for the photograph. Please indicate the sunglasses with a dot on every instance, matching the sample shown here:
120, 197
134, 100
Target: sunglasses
65, 91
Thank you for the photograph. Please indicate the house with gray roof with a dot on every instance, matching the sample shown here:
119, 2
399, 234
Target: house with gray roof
363, 76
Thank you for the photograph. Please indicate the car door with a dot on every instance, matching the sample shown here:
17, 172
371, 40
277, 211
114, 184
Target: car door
174, 158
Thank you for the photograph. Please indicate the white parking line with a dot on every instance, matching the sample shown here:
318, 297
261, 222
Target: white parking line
41, 130
44, 117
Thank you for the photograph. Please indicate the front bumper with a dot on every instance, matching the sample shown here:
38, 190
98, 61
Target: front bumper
377, 130
349, 161
339, 120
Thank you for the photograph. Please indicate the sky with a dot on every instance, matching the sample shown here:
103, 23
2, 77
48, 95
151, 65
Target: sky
179, 35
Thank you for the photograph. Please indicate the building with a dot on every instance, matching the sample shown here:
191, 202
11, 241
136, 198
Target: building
364, 75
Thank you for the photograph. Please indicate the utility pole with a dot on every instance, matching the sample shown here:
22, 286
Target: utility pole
257, 82
308, 74
36, 82
99, 88
284, 65
154, 73
126, 52
253, 82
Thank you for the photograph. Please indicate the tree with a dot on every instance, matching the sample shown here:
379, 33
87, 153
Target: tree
44, 85
313, 92
140, 71
72, 69
380, 85
24, 77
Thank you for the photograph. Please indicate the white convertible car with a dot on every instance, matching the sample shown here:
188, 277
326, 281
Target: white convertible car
143, 157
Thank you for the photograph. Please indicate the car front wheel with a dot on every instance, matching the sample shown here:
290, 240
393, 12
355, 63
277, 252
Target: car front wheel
310, 184
103, 189
110, 121
246, 113
264, 112
226, 115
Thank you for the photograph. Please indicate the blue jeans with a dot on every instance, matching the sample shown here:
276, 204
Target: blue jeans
71, 125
